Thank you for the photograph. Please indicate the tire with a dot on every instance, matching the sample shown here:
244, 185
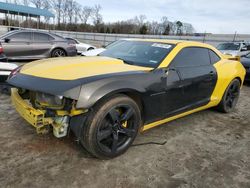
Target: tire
58, 53
111, 127
230, 97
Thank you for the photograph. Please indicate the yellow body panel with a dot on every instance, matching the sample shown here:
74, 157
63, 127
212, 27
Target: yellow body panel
34, 116
71, 68
227, 70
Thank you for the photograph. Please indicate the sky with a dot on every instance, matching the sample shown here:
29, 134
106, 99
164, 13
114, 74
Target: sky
211, 16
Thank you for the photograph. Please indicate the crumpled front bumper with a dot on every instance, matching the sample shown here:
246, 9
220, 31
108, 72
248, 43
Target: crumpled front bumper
34, 117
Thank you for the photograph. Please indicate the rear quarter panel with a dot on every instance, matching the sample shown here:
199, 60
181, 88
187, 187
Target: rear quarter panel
227, 70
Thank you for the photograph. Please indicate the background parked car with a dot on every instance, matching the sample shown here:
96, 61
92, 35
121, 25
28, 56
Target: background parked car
5, 70
28, 44
81, 47
94, 52
98, 51
234, 48
3, 57
245, 60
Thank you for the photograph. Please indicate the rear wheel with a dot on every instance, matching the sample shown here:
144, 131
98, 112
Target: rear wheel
111, 127
58, 53
230, 97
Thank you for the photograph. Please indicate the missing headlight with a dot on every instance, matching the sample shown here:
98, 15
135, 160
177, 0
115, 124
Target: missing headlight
49, 101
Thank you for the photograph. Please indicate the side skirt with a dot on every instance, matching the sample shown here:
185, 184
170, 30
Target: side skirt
160, 122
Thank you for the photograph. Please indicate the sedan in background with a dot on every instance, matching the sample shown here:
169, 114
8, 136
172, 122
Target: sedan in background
29, 44
3, 57
245, 60
234, 48
81, 47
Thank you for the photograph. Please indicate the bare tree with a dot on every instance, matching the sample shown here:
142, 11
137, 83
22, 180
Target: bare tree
37, 3
57, 7
69, 6
154, 27
26, 2
141, 19
76, 11
96, 16
85, 14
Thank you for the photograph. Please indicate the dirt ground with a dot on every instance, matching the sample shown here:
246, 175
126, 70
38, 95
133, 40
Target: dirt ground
206, 149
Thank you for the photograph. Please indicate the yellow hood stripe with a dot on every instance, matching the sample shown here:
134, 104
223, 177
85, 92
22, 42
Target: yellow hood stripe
77, 67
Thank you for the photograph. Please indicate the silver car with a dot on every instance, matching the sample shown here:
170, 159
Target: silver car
234, 48
28, 44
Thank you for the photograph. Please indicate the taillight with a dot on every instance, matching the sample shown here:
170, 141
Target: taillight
15, 71
1, 49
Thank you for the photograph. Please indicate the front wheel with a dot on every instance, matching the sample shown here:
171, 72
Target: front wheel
111, 127
230, 97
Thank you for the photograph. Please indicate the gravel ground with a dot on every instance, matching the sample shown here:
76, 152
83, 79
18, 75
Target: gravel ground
206, 149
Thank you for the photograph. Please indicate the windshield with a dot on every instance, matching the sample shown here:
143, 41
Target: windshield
229, 46
140, 53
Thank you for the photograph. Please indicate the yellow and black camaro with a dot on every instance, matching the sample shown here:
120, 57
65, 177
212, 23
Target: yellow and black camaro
134, 85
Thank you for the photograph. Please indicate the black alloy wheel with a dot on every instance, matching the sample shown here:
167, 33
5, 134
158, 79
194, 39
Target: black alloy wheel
230, 97
112, 127
118, 129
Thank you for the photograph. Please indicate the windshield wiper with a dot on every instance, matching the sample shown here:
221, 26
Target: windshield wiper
126, 61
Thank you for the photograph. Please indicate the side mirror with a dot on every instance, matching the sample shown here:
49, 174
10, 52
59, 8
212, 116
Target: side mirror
7, 40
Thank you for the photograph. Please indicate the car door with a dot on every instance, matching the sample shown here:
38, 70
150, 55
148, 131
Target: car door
18, 45
42, 44
197, 78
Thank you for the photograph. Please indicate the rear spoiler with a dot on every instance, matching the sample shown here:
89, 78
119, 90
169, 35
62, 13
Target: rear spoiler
230, 57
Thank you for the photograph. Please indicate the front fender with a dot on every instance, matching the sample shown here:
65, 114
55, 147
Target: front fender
93, 92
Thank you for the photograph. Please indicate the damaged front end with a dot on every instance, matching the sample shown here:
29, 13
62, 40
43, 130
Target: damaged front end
43, 110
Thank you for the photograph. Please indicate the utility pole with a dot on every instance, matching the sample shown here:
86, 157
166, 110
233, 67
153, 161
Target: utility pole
235, 34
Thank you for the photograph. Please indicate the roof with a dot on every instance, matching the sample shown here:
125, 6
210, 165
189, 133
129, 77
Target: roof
24, 10
175, 42
168, 41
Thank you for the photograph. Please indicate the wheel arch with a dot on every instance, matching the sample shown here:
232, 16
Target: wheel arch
131, 93
240, 80
56, 48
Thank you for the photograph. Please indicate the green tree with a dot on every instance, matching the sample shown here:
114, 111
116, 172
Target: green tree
179, 25
102, 29
167, 30
143, 29
107, 30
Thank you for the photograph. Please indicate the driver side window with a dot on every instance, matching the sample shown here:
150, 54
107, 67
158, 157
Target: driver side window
191, 57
